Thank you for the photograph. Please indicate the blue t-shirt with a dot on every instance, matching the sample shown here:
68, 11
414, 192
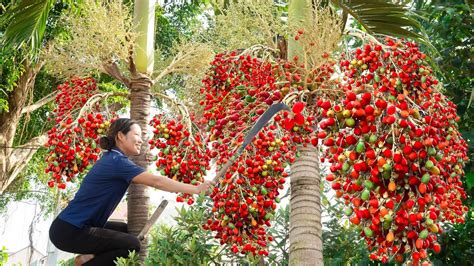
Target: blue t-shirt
101, 190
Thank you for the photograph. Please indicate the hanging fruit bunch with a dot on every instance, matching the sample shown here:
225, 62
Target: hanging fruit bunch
182, 156
246, 197
303, 91
396, 153
73, 142
238, 89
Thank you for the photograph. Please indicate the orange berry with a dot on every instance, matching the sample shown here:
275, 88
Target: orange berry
390, 237
392, 186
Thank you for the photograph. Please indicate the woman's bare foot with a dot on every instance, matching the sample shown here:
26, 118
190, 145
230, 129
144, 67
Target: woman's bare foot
81, 259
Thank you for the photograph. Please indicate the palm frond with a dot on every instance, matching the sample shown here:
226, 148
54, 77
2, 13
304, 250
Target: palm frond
27, 23
386, 18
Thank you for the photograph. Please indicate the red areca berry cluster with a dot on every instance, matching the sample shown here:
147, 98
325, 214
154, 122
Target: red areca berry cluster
72, 143
238, 89
299, 125
396, 153
246, 198
181, 157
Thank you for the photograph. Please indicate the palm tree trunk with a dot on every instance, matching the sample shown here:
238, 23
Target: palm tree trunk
141, 67
299, 17
138, 198
306, 246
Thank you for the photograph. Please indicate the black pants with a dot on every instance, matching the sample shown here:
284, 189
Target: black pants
106, 243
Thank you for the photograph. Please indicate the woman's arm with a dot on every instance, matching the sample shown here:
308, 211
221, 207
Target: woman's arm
166, 184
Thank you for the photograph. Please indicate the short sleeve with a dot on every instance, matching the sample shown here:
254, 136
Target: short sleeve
127, 169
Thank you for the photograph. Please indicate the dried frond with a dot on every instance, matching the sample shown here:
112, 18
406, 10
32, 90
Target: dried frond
191, 59
321, 36
248, 23
100, 33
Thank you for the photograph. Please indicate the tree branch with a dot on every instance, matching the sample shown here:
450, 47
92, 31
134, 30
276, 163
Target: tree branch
48, 98
19, 158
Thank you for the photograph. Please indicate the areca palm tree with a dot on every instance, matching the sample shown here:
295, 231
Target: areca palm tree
380, 17
140, 97
23, 31
27, 28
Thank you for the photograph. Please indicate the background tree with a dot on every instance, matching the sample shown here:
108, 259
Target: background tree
24, 89
448, 25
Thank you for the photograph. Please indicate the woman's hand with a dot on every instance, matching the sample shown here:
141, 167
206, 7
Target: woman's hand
205, 186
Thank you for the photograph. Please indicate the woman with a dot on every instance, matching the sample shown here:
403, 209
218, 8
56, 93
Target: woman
82, 227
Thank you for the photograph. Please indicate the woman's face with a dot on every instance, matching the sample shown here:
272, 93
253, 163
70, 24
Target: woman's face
131, 142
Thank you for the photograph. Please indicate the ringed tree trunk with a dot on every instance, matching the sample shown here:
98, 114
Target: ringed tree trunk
141, 67
14, 159
306, 245
138, 198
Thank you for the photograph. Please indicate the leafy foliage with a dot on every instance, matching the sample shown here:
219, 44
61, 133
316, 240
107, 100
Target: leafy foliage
175, 22
12, 60
343, 245
280, 231
449, 25
27, 23
457, 243
132, 260
186, 243
3, 256
69, 262
10, 71
384, 17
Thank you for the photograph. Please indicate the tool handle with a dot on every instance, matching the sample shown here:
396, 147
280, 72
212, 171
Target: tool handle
152, 220
226, 166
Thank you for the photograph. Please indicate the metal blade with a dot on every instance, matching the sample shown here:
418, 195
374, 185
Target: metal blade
261, 122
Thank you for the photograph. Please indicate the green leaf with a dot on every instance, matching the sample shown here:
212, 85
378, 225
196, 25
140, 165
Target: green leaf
385, 17
178, 258
470, 180
27, 23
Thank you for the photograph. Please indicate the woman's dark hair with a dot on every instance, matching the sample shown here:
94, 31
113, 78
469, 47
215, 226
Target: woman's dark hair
120, 125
